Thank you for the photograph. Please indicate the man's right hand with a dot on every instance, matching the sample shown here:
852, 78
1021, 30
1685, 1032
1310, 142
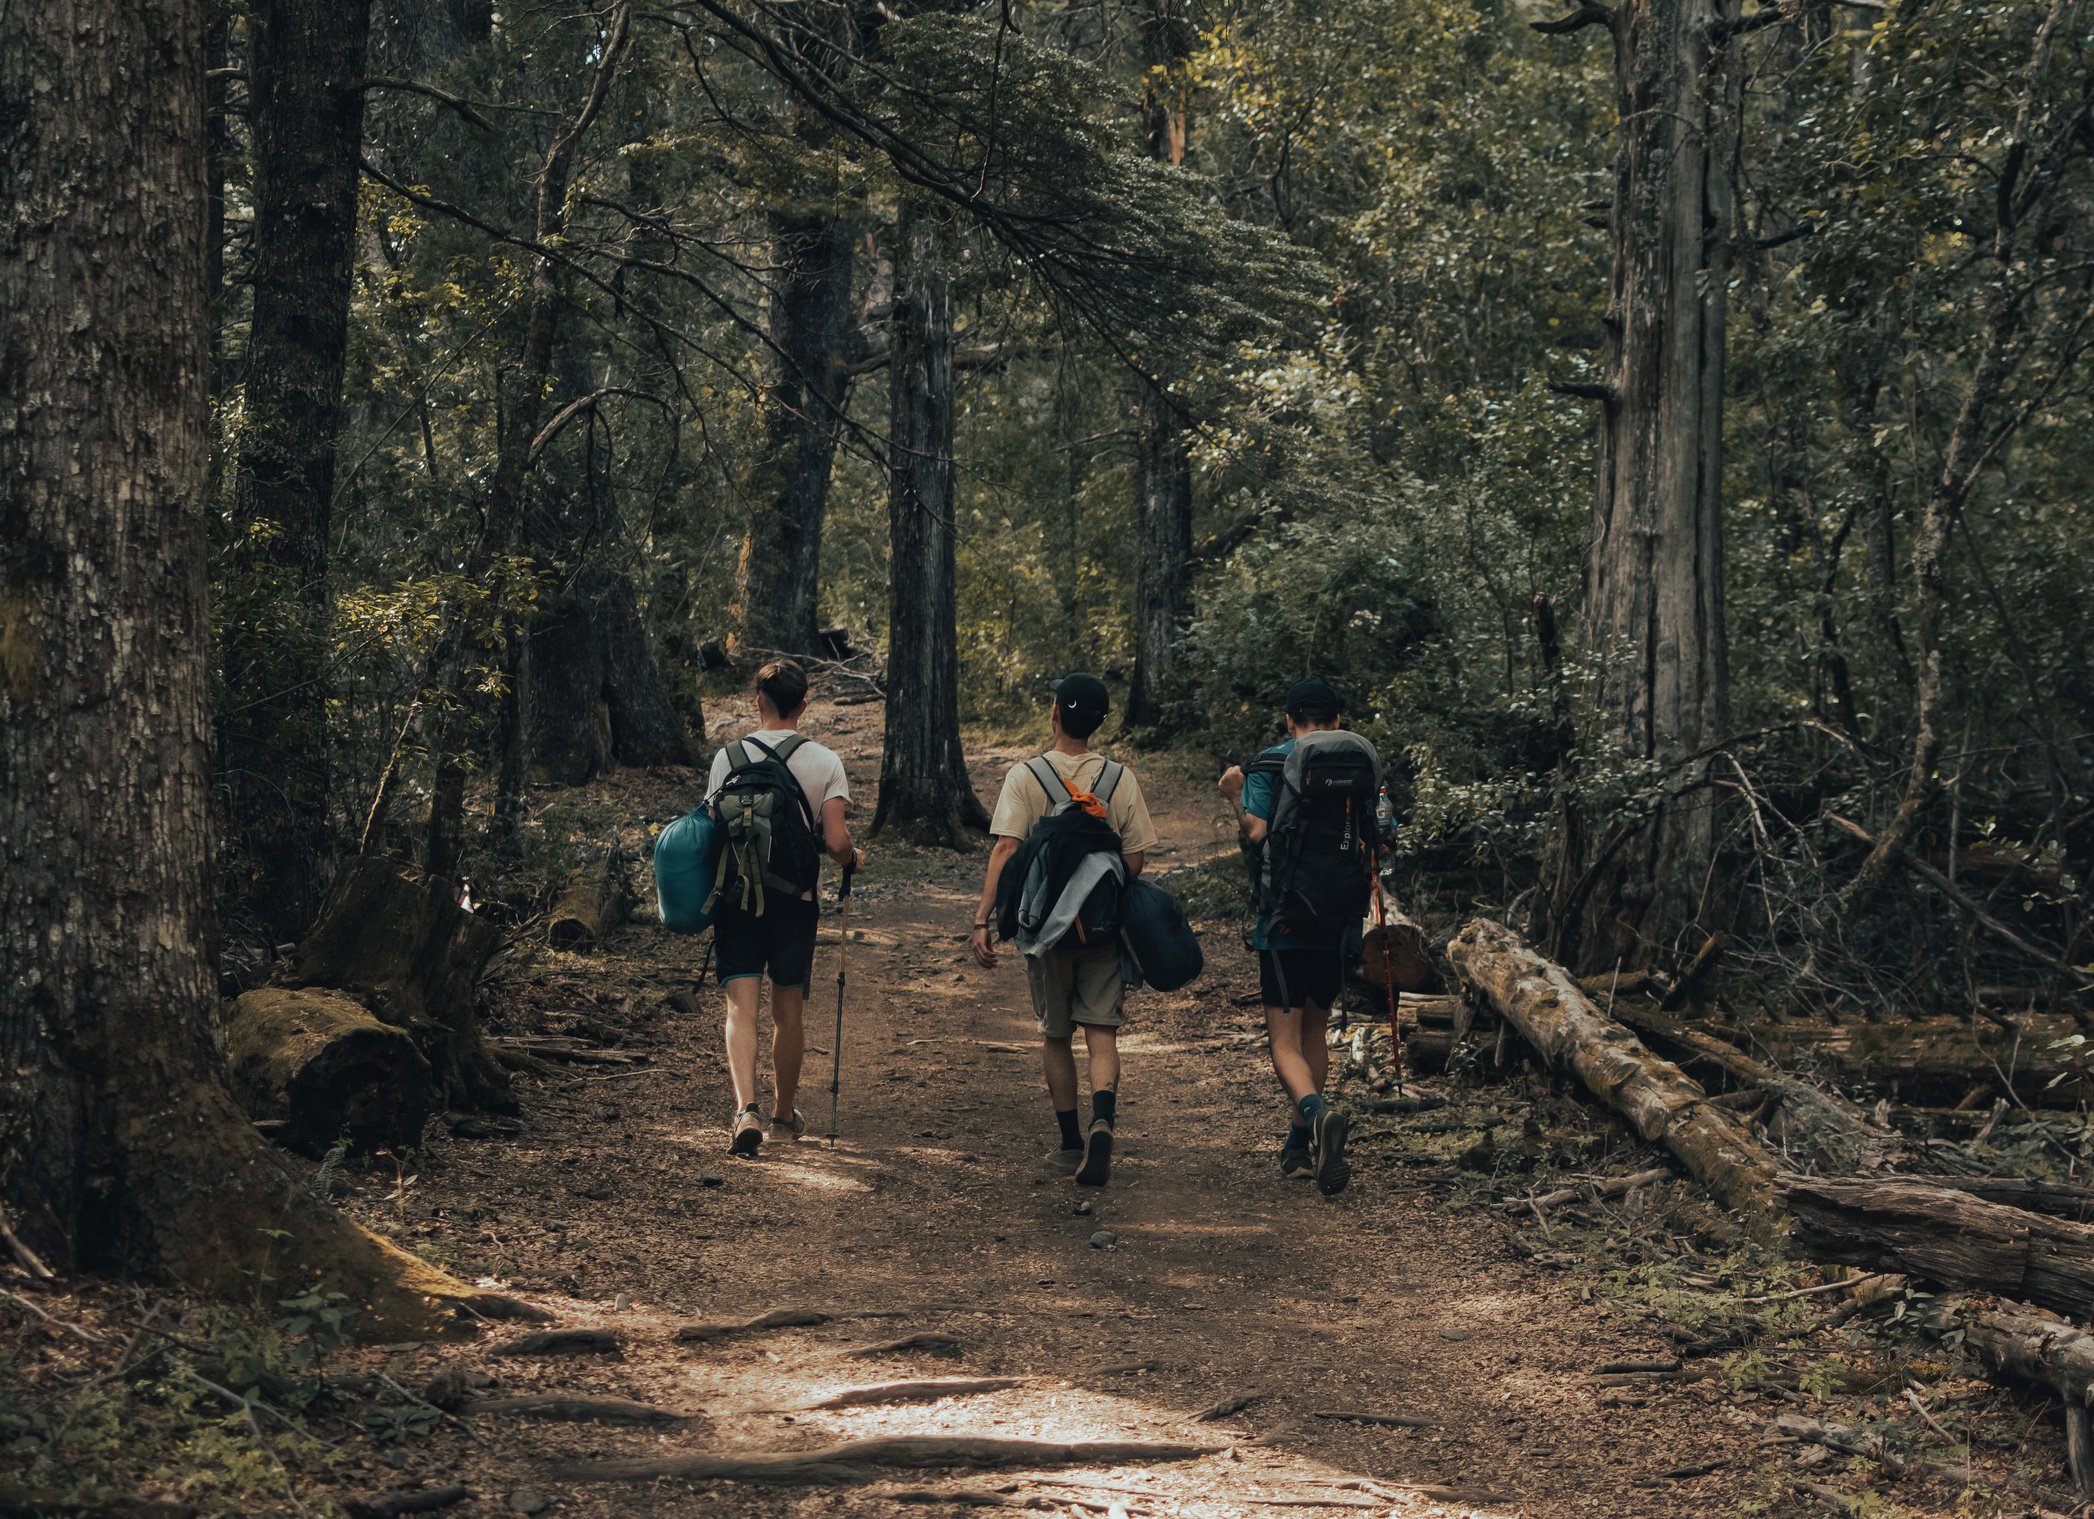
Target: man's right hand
984, 948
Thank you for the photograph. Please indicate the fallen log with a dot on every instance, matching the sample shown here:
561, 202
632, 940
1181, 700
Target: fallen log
593, 902
1913, 1226
400, 940
1938, 1061
322, 1065
860, 1460
1661, 1102
2058, 1201
2042, 1351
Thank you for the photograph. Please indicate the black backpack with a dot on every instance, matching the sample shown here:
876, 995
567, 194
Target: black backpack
1317, 862
1153, 929
768, 840
1040, 874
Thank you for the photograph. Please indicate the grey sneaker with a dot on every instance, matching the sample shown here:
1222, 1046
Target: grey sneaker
1062, 1160
747, 1131
785, 1130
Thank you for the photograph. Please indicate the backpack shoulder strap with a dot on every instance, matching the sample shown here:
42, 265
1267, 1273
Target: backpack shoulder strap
1108, 780
786, 750
738, 756
1050, 780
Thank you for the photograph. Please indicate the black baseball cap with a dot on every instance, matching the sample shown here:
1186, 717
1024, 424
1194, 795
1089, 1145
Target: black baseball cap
1082, 697
1313, 698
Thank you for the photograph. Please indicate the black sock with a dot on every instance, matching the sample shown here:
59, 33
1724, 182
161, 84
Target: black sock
1103, 1106
1071, 1139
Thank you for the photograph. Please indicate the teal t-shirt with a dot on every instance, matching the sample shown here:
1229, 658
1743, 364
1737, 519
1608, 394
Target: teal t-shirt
1260, 793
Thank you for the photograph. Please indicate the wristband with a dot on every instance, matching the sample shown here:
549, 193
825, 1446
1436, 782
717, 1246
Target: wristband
983, 924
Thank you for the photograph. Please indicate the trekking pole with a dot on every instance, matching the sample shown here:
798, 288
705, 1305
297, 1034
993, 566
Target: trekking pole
843, 951
1388, 976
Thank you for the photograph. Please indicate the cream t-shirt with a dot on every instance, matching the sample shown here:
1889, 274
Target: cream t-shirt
1025, 801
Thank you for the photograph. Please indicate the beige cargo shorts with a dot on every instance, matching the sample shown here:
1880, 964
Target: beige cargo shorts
1075, 986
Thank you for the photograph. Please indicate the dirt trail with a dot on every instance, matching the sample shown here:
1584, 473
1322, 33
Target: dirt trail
935, 1212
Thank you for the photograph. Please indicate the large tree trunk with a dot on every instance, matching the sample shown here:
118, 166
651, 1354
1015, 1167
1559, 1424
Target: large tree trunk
592, 696
514, 457
778, 581
1660, 1101
924, 793
1163, 462
1629, 891
121, 1142
305, 68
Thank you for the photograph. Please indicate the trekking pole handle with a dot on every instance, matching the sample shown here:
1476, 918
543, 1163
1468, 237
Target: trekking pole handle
850, 869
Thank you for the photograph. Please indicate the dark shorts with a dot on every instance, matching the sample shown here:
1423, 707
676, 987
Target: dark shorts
780, 944
1312, 975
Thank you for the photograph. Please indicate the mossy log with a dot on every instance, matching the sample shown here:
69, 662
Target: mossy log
1661, 1102
321, 1063
1946, 1236
1938, 1061
398, 939
593, 903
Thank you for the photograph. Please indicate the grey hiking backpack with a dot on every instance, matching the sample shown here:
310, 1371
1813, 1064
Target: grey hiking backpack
768, 838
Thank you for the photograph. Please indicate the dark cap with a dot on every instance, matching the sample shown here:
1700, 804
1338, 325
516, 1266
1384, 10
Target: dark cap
1082, 698
1313, 699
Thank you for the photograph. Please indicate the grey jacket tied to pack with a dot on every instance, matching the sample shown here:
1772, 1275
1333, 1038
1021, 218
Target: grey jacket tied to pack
1048, 908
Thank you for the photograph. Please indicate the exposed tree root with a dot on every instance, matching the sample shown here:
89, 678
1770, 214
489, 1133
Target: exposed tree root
1364, 1416
561, 1342
929, 1341
406, 1500
860, 1460
576, 1410
781, 1318
924, 1391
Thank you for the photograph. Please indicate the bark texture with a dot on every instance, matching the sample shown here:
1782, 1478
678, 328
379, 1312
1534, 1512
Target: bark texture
326, 1069
1946, 1236
120, 1143
593, 698
924, 791
1629, 890
778, 581
1660, 1101
306, 68
1163, 462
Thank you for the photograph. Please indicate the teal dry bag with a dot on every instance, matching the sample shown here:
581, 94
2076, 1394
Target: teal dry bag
686, 865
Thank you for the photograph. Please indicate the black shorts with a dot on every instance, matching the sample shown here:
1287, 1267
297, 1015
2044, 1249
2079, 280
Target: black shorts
779, 944
1312, 975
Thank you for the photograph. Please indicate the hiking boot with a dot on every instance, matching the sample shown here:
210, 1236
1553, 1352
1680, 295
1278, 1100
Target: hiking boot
1097, 1155
1333, 1171
785, 1130
1064, 1160
747, 1130
1296, 1165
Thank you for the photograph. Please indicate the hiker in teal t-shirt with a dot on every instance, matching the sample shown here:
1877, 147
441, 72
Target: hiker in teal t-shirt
1301, 968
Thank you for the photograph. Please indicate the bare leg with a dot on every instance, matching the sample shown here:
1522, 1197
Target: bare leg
1316, 1043
1290, 1057
1103, 1047
788, 1043
742, 995
1059, 1058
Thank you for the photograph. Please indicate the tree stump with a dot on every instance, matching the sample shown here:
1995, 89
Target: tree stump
318, 1061
1407, 960
593, 903
398, 939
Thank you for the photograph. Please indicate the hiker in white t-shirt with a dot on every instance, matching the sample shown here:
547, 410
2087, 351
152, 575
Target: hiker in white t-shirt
767, 928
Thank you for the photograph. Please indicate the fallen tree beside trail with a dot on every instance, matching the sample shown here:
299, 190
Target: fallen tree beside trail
322, 1066
1661, 1102
1947, 1236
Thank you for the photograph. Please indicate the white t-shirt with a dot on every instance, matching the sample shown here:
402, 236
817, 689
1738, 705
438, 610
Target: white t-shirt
815, 766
